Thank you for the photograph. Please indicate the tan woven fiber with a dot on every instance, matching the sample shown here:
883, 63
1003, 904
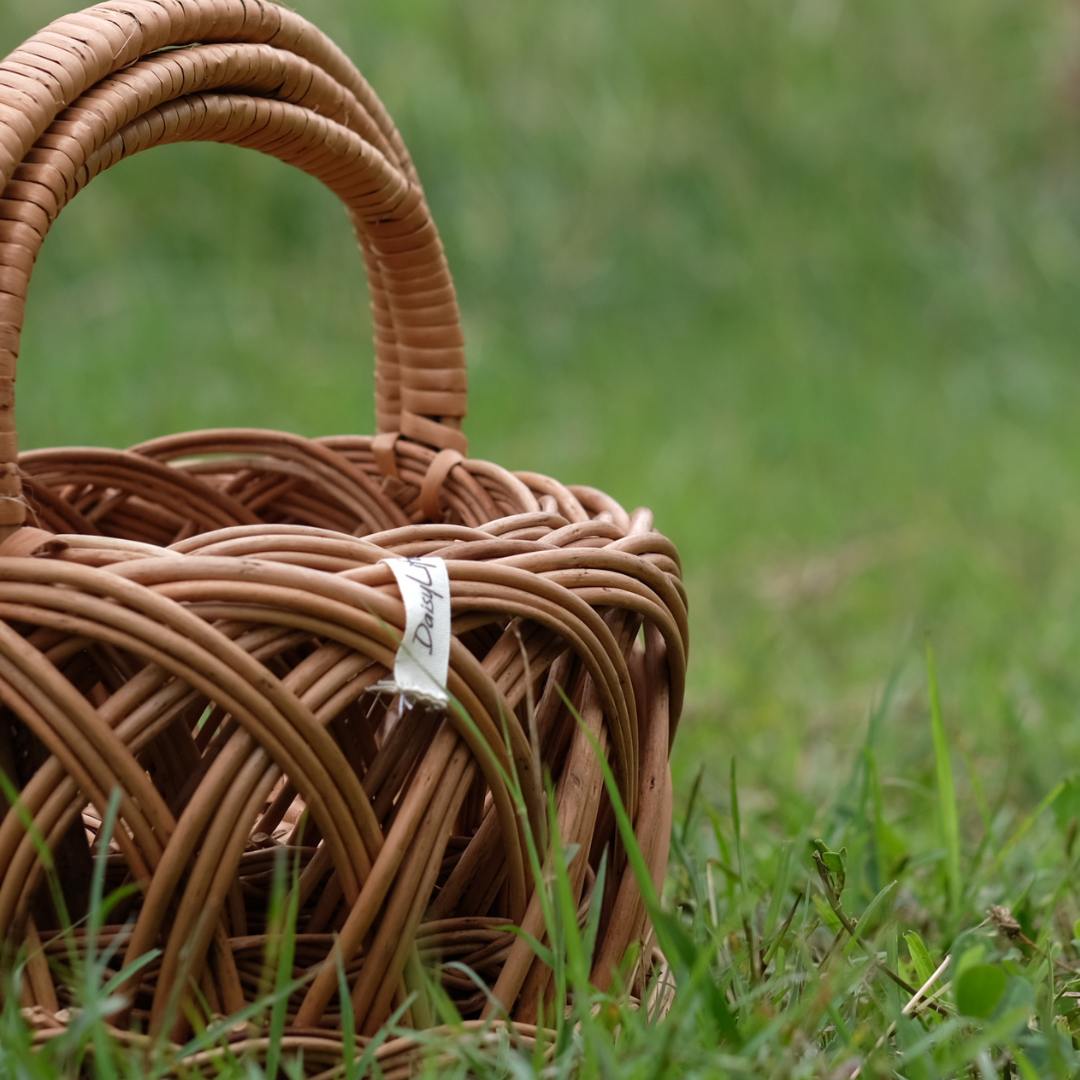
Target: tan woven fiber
197, 623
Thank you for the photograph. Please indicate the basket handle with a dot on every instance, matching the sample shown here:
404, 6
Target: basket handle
96, 87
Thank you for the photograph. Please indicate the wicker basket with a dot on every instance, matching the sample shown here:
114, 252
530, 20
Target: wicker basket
196, 624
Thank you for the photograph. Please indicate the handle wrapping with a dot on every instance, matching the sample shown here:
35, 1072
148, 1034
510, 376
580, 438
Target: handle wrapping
95, 88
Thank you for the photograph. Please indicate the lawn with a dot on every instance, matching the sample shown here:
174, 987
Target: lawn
804, 277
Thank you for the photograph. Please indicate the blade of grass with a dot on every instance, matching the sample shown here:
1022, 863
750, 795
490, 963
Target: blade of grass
948, 819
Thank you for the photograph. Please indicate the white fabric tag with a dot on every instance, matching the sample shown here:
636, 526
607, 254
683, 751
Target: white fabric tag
423, 657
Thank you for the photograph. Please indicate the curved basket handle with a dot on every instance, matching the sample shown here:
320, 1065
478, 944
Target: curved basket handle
95, 88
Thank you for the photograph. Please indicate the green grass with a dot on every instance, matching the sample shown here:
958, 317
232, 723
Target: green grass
853, 955
803, 276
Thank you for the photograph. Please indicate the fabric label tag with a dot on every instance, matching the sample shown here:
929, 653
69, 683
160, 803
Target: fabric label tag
423, 657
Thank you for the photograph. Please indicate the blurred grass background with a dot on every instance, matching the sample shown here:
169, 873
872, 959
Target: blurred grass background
802, 275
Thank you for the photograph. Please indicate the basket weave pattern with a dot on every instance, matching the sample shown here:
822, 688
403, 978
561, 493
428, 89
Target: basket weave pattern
197, 623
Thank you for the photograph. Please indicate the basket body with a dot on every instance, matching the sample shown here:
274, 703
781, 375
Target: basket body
191, 630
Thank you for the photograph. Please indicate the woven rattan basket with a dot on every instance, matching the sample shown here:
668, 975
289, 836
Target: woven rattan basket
193, 628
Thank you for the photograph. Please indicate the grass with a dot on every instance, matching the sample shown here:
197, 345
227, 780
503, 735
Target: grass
852, 955
801, 275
